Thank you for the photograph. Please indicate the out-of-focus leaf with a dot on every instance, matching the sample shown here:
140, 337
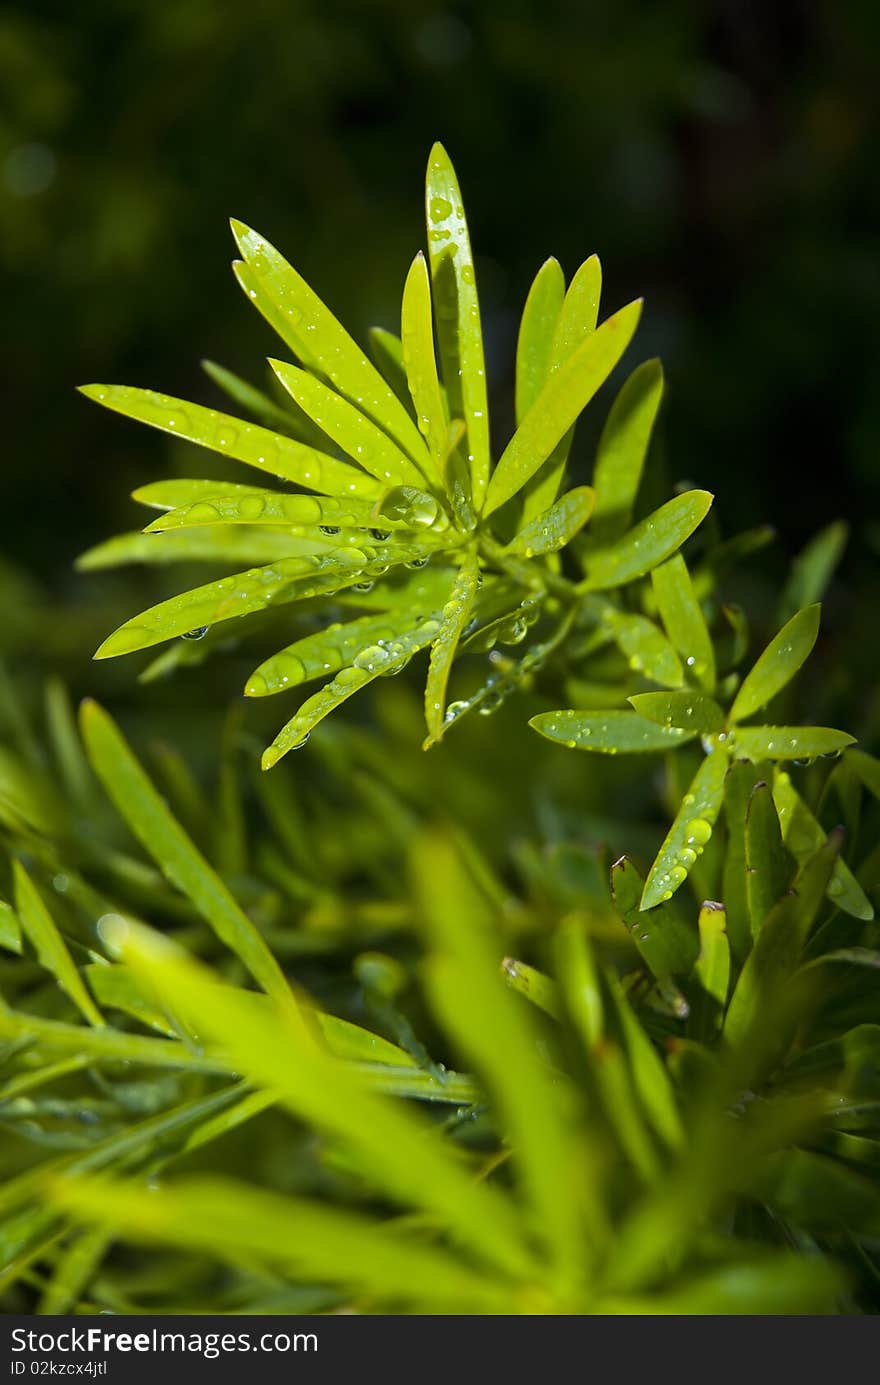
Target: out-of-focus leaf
454, 616
713, 964
693, 711
646, 647
417, 338
867, 768
737, 620
690, 831
683, 618
779, 944
10, 932
758, 743
354, 432
74, 1270
778, 1285
607, 733
555, 527
369, 663
165, 840
51, 949
536, 332
246, 442
622, 451
303, 321
538, 988
778, 664
819, 1194
457, 312
650, 1078
567, 392
803, 836
648, 543
768, 866
738, 785
308, 1238
813, 569
117, 989
663, 938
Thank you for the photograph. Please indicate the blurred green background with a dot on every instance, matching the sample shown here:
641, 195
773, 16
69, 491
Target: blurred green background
720, 155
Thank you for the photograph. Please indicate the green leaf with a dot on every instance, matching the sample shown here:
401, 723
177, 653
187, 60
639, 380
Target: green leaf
867, 768
768, 866
534, 985
10, 931
646, 647
713, 964
648, 544
492, 1029
778, 946
567, 392
117, 989
623, 447
693, 711
369, 663
307, 1238
420, 362
536, 333
181, 493
320, 342
738, 785
577, 320
663, 938
51, 949
387, 352
453, 618
246, 442
778, 664
276, 1050
803, 836
457, 312
689, 833
354, 432
650, 1078
208, 546
781, 1285
73, 1272
165, 840
291, 420
217, 504
758, 743
555, 527
607, 732
326, 651
813, 569
683, 619
738, 621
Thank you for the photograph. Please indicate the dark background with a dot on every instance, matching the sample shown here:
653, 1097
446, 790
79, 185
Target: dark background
720, 155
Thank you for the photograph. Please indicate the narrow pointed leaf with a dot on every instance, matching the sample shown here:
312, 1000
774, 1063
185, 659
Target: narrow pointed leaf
647, 649
220, 548
607, 732
567, 392
648, 544
387, 351
326, 651
319, 340
453, 618
689, 833
556, 527
40, 930
290, 420
10, 930
713, 964
540, 989
355, 432
420, 362
457, 312
536, 333
622, 451
813, 569
370, 663
778, 664
691, 710
867, 767
738, 785
758, 743
164, 839
683, 619
803, 836
650, 1077
182, 493
768, 866
246, 442
250, 505
664, 939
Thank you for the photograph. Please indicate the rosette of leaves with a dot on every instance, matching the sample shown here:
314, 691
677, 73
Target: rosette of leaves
393, 512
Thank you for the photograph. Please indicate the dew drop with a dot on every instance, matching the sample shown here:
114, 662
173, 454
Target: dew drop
198, 633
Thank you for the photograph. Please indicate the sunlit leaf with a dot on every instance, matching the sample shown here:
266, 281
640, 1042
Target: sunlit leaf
758, 743
259, 406
454, 616
689, 833
778, 664
693, 711
457, 313
420, 362
555, 527
713, 964
607, 732
220, 547
387, 352
536, 332
567, 392
683, 619
622, 450
648, 543
647, 649
326, 651
246, 442
218, 505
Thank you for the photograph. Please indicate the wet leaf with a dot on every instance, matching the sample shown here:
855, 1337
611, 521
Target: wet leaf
291, 420
326, 651
607, 732
41, 931
555, 527
689, 833
623, 447
454, 616
693, 711
648, 544
683, 619
768, 866
778, 664
787, 742
417, 338
536, 332
646, 647
803, 836
664, 939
